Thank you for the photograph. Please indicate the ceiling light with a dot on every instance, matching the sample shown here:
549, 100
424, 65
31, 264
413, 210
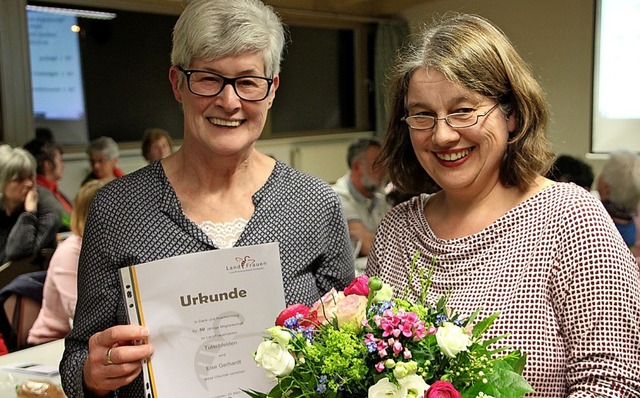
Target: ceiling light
73, 12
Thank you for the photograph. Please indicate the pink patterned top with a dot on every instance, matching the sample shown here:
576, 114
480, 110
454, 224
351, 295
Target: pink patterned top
556, 268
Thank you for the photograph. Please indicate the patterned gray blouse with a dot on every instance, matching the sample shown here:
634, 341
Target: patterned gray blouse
558, 271
138, 218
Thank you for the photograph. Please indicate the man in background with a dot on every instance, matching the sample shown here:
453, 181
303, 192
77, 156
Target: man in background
361, 192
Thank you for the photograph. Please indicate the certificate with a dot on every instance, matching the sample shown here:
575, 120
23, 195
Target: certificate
206, 314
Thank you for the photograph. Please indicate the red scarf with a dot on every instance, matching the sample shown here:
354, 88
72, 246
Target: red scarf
53, 187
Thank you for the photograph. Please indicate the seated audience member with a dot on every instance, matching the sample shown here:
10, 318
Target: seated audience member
27, 223
156, 144
103, 155
60, 287
44, 134
570, 169
619, 187
467, 114
361, 192
49, 170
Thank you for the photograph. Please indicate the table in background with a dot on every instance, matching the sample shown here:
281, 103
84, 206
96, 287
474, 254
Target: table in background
47, 354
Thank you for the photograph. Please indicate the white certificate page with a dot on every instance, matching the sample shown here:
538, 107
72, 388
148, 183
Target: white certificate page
206, 313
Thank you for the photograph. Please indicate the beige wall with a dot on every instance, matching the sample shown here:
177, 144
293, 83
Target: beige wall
323, 156
556, 38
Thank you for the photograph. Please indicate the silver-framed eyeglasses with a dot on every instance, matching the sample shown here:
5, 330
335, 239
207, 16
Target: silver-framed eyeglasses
458, 120
209, 84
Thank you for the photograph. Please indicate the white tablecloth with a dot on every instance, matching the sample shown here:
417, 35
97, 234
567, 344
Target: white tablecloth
48, 354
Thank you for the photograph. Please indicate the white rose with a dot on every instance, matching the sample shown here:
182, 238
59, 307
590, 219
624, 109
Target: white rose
386, 389
410, 387
275, 359
280, 335
452, 339
415, 385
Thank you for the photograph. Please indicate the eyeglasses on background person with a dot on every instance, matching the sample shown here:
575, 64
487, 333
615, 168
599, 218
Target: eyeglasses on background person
457, 120
210, 84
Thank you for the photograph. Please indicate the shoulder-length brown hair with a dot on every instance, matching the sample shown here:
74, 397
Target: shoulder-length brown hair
470, 51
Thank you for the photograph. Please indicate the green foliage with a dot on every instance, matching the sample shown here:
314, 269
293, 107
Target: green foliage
401, 338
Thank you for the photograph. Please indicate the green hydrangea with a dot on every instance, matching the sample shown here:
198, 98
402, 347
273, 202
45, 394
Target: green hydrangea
340, 355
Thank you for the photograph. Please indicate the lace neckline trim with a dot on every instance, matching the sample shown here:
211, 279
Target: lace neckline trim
225, 234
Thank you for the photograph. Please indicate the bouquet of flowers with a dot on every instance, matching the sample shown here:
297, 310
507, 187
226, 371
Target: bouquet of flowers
362, 342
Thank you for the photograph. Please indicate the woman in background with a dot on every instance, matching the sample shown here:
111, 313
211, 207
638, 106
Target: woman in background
29, 222
49, 172
156, 144
27, 225
60, 287
103, 155
468, 115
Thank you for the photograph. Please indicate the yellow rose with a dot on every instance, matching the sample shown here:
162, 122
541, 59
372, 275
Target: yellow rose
351, 310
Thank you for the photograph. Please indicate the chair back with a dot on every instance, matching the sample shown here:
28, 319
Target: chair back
21, 312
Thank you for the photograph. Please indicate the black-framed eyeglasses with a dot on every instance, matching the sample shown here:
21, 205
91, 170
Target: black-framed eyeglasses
459, 120
210, 84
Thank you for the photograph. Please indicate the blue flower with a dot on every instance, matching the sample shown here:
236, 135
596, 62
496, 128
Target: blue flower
291, 323
440, 319
308, 333
371, 346
380, 308
322, 385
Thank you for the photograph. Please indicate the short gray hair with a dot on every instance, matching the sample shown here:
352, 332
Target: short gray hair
104, 145
15, 163
213, 29
621, 173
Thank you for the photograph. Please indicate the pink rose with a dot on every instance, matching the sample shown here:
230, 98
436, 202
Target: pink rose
306, 317
359, 286
326, 306
442, 389
351, 310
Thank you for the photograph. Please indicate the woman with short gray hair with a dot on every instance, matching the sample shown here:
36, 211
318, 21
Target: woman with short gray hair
216, 191
103, 155
27, 225
619, 187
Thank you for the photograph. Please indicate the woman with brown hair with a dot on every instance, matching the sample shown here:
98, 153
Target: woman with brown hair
468, 115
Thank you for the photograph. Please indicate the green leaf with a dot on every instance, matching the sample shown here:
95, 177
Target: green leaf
473, 316
503, 382
483, 325
255, 394
518, 365
493, 340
